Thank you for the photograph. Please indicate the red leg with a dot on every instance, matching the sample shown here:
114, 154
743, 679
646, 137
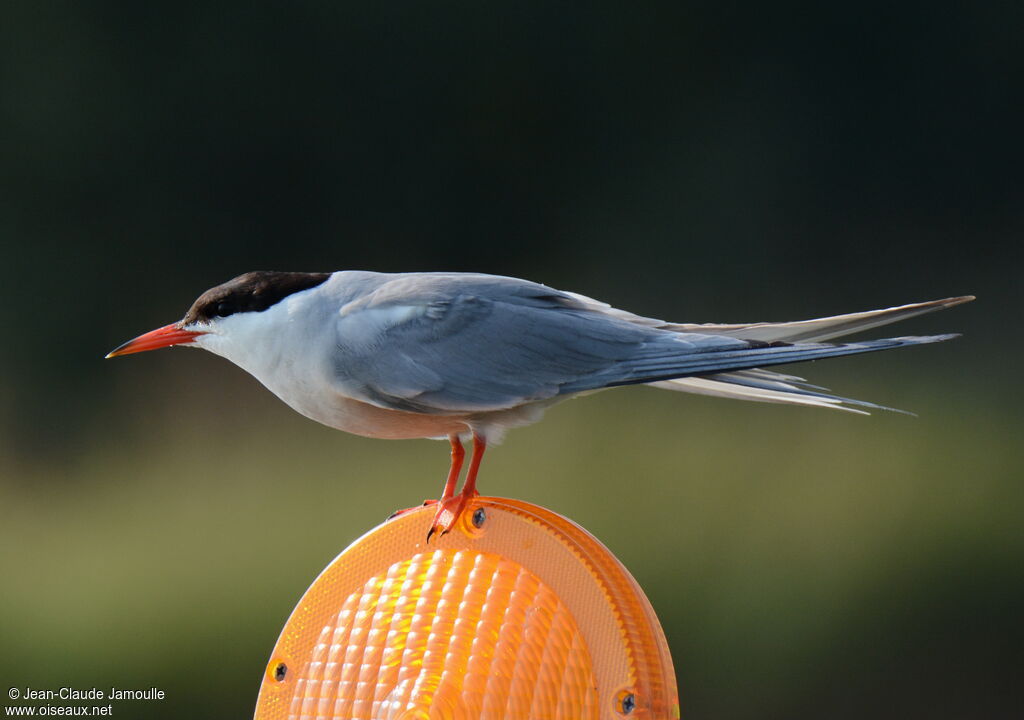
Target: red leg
479, 445
450, 508
458, 454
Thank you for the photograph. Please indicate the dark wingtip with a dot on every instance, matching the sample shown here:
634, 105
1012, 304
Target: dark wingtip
958, 300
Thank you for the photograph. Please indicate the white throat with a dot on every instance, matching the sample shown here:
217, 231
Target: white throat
285, 347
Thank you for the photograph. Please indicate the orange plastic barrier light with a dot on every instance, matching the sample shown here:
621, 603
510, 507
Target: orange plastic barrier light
516, 613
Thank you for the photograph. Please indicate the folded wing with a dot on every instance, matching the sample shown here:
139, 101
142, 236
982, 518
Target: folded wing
454, 344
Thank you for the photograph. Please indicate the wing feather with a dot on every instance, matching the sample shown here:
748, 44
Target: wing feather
444, 343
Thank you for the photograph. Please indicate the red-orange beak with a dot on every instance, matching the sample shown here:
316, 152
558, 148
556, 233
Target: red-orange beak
161, 337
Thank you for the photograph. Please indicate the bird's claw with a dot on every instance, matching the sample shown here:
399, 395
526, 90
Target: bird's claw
449, 510
403, 511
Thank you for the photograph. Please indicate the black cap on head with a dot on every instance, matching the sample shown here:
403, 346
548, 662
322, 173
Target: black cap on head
251, 292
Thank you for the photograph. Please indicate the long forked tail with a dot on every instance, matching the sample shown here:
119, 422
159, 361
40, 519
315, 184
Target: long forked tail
761, 385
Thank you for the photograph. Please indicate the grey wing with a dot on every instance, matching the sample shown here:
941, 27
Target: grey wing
456, 344
766, 386
815, 330
451, 346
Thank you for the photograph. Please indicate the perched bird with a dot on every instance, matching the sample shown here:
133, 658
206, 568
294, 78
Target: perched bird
467, 356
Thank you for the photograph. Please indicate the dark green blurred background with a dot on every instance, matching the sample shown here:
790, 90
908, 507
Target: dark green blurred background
161, 514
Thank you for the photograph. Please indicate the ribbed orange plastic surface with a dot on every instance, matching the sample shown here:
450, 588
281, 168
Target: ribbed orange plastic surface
526, 616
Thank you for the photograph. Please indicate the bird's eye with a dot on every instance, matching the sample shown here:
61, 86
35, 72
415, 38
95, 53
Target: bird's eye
223, 308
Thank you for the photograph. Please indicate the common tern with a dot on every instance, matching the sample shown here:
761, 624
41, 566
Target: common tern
461, 356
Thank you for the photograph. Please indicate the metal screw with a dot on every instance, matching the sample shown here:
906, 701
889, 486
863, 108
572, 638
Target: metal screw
628, 704
280, 671
479, 516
